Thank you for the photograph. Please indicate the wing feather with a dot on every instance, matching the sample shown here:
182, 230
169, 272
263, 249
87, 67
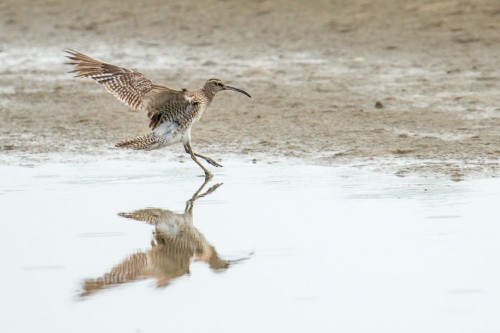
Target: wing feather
129, 86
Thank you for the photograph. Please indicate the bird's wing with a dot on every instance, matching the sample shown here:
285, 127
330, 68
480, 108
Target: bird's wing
131, 87
148, 215
135, 267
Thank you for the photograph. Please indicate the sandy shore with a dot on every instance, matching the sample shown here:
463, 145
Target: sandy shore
406, 87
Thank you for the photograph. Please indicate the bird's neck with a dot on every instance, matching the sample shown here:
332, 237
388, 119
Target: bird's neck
207, 94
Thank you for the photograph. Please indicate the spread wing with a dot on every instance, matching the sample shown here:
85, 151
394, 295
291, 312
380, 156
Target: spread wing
131, 87
149, 215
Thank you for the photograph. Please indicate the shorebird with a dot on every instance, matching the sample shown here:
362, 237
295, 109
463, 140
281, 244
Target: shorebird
176, 243
172, 113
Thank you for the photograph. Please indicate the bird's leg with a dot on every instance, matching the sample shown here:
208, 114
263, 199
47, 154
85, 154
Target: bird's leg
208, 159
197, 195
190, 202
189, 150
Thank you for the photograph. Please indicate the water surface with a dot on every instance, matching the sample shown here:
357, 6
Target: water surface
128, 246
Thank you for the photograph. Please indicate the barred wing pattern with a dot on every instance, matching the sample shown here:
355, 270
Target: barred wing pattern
177, 242
130, 87
149, 215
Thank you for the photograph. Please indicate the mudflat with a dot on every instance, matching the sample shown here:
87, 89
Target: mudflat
410, 87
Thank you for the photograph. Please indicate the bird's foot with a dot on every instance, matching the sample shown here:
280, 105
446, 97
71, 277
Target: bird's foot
212, 162
213, 188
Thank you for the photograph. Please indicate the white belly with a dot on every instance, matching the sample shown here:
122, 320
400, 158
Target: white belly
168, 133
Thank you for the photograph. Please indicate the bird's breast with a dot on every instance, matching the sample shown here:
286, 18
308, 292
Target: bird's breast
194, 113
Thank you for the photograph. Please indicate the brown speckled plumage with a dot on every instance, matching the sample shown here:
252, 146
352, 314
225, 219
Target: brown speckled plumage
176, 243
172, 113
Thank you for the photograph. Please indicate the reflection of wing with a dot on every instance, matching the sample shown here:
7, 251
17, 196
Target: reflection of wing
131, 269
131, 87
167, 260
148, 215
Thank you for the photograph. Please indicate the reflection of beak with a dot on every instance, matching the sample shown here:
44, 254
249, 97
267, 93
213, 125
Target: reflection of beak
236, 89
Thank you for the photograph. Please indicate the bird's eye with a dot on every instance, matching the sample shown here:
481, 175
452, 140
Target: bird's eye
219, 84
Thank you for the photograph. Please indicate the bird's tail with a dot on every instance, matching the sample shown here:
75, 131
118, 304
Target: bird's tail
145, 142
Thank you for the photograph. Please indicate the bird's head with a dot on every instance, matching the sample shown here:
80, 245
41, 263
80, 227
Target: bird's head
215, 85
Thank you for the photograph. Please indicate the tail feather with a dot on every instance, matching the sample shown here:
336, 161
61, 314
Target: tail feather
145, 142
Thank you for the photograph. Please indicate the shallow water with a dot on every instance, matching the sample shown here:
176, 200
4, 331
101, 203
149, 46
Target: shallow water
298, 248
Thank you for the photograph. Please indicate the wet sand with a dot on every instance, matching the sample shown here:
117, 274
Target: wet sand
401, 87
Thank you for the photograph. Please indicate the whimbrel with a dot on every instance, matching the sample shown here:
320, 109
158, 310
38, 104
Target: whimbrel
172, 113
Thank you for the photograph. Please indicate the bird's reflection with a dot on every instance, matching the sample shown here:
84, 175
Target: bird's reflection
176, 243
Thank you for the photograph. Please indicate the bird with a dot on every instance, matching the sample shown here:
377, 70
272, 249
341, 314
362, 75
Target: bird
177, 242
172, 113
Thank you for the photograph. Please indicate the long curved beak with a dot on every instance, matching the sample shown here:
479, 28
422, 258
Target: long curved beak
236, 89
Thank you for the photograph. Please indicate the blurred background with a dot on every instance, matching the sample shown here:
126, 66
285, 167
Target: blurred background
333, 81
